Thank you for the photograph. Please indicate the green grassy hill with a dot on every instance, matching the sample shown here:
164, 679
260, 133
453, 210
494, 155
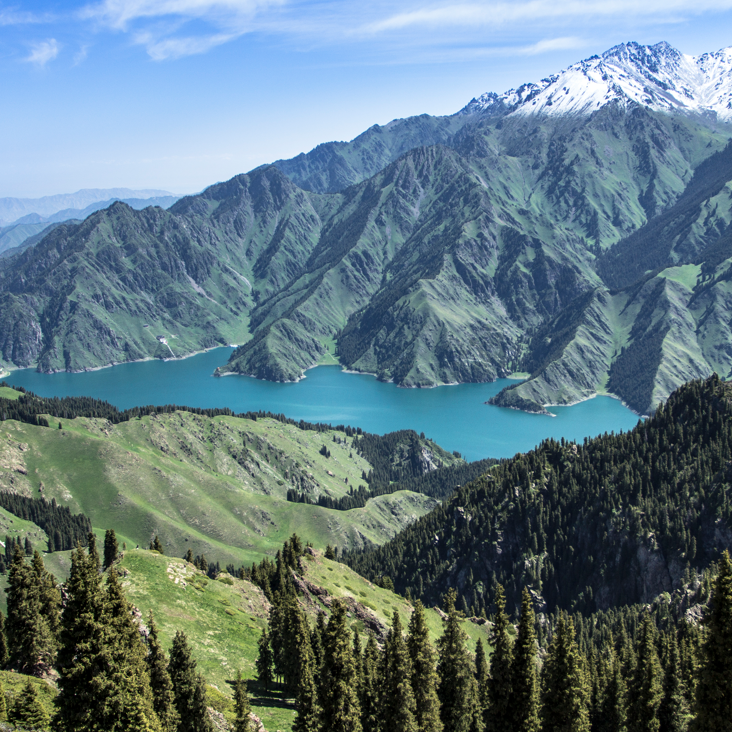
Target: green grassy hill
215, 485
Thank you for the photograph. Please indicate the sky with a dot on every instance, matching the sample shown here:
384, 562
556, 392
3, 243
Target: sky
179, 94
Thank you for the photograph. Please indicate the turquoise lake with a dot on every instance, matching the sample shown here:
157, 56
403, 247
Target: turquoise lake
456, 417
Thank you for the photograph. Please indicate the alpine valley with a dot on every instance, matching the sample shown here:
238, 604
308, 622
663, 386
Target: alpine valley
577, 229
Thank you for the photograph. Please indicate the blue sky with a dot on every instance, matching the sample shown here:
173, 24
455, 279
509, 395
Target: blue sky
179, 94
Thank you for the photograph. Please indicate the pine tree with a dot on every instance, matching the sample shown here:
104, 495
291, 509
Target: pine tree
81, 642
714, 687
160, 683
264, 660
397, 703
308, 711
499, 713
673, 713
524, 698
189, 688
49, 596
369, 691
242, 709
646, 690
316, 640
612, 712
424, 673
31, 641
28, 712
340, 710
564, 692
111, 550
457, 690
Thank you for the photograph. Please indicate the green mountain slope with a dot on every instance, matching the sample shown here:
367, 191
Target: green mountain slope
460, 261
215, 485
614, 521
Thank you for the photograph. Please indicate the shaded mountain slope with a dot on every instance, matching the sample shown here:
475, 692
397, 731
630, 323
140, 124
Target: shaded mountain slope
610, 522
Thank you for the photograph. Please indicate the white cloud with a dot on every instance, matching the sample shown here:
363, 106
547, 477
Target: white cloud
43, 52
155, 24
500, 13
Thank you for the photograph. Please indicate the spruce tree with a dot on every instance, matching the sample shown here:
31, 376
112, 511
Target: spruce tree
340, 709
499, 713
714, 687
646, 689
316, 640
308, 710
160, 682
242, 709
111, 550
28, 712
369, 691
457, 690
564, 691
424, 672
31, 640
673, 713
611, 714
189, 688
524, 697
397, 703
264, 660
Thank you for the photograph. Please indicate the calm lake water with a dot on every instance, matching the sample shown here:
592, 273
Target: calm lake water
456, 417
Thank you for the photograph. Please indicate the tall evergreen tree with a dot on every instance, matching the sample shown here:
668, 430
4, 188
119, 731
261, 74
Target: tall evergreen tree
242, 708
264, 660
340, 709
498, 712
111, 550
31, 640
160, 683
308, 710
369, 690
611, 714
564, 691
189, 688
397, 705
424, 672
674, 713
316, 640
524, 696
714, 687
646, 689
457, 691
49, 595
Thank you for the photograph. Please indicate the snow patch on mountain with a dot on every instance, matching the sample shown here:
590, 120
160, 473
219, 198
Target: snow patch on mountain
658, 77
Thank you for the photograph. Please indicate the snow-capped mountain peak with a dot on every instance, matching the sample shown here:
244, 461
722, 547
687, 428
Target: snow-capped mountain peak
658, 77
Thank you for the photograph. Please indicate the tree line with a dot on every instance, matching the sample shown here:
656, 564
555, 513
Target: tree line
406, 685
63, 528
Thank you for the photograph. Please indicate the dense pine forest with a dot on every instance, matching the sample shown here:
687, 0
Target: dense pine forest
617, 520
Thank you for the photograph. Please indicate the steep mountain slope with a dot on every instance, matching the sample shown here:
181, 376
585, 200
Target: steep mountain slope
520, 242
614, 521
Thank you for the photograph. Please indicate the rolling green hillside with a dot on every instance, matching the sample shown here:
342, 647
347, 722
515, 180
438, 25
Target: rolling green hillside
215, 485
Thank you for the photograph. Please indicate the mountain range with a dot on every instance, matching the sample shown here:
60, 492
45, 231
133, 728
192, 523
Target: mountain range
575, 230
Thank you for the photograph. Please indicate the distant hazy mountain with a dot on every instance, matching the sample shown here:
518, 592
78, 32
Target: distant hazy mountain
591, 249
11, 209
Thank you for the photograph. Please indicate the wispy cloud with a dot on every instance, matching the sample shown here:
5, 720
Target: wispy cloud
43, 52
500, 13
156, 24
13, 16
